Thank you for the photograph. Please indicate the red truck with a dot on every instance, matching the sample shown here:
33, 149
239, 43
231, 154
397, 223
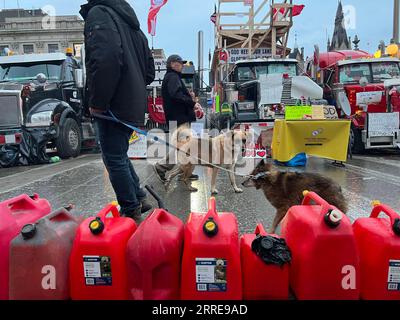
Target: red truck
363, 89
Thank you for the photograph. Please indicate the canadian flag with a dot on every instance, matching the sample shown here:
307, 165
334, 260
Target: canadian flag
296, 11
156, 5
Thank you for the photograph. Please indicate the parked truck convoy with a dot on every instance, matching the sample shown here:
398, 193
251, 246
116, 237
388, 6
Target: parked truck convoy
363, 89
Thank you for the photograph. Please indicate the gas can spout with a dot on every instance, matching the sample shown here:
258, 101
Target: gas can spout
212, 206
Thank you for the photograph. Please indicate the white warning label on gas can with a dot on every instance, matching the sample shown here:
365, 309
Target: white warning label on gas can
394, 275
211, 274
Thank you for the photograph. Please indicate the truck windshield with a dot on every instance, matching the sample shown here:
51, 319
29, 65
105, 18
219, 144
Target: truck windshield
248, 73
385, 70
354, 73
25, 72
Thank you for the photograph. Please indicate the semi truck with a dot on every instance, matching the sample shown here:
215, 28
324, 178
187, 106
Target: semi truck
44, 93
364, 89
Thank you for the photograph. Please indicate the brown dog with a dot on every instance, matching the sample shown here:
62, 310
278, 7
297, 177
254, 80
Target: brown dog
222, 151
285, 189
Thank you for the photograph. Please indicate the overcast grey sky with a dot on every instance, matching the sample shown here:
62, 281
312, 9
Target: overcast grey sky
180, 20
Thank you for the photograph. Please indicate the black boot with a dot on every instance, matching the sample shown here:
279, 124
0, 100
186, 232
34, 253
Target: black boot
146, 206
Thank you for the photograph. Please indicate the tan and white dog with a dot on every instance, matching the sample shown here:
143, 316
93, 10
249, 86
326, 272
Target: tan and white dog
223, 151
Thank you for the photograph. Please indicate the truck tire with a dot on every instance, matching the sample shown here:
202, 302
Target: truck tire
69, 139
356, 143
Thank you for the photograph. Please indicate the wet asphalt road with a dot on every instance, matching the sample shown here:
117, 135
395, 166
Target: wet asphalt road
84, 182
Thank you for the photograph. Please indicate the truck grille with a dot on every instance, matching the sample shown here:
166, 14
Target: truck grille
10, 110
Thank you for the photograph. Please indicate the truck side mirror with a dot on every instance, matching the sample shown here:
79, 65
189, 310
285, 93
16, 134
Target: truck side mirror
78, 75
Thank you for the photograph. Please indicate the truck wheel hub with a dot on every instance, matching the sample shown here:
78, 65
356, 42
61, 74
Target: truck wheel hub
73, 139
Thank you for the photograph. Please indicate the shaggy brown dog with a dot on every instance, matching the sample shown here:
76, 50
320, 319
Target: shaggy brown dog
285, 189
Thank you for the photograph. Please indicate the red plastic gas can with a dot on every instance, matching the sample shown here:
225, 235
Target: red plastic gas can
378, 240
211, 267
98, 269
154, 256
261, 281
325, 261
14, 214
39, 258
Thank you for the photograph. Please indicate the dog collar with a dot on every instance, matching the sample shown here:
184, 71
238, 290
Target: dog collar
260, 175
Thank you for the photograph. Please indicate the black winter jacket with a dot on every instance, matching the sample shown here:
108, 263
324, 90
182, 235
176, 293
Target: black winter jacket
178, 104
118, 60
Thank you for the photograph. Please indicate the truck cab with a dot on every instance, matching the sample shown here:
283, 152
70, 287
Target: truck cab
362, 88
44, 93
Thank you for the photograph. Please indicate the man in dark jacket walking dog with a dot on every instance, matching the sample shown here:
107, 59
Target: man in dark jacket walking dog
179, 108
119, 65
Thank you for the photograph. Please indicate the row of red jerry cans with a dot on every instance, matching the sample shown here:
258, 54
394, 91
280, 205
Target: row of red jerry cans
112, 260
57, 256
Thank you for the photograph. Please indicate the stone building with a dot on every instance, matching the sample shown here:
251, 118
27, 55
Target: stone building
33, 31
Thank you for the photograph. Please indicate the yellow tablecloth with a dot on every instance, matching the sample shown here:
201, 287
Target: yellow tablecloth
322, 138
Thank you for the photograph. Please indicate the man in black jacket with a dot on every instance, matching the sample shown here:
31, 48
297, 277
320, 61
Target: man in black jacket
179, 108
119, 65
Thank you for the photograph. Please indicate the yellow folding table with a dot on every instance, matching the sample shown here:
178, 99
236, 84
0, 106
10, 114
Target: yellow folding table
321, 138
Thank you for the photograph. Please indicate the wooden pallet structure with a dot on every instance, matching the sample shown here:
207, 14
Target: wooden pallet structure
259, 26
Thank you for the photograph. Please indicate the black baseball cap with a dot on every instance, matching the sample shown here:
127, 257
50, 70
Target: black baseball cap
175, 58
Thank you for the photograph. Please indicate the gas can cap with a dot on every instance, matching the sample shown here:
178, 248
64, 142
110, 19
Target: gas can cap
333, 218
28, 231
396, 227
96, 226
266, 243
210, 228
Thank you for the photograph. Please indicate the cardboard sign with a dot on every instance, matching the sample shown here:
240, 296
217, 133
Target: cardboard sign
137, 146
318, 113
255, 151
311, 113
383, 124
161, 71
260, 146
298, 113
330, 113
371, 97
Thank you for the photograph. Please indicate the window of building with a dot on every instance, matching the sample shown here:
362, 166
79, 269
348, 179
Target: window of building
28, 48
53, 47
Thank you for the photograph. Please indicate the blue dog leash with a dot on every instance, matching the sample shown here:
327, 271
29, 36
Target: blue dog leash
113, 118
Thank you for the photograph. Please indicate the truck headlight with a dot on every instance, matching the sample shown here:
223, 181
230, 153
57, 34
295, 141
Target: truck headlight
41, 117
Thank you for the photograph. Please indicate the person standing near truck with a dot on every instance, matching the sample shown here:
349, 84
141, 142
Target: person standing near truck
180, 110
119, 65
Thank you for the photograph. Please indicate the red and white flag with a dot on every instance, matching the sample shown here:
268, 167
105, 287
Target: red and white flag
296, 11
156, 5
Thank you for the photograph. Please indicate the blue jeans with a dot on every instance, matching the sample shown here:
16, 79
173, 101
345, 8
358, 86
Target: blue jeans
114, 143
